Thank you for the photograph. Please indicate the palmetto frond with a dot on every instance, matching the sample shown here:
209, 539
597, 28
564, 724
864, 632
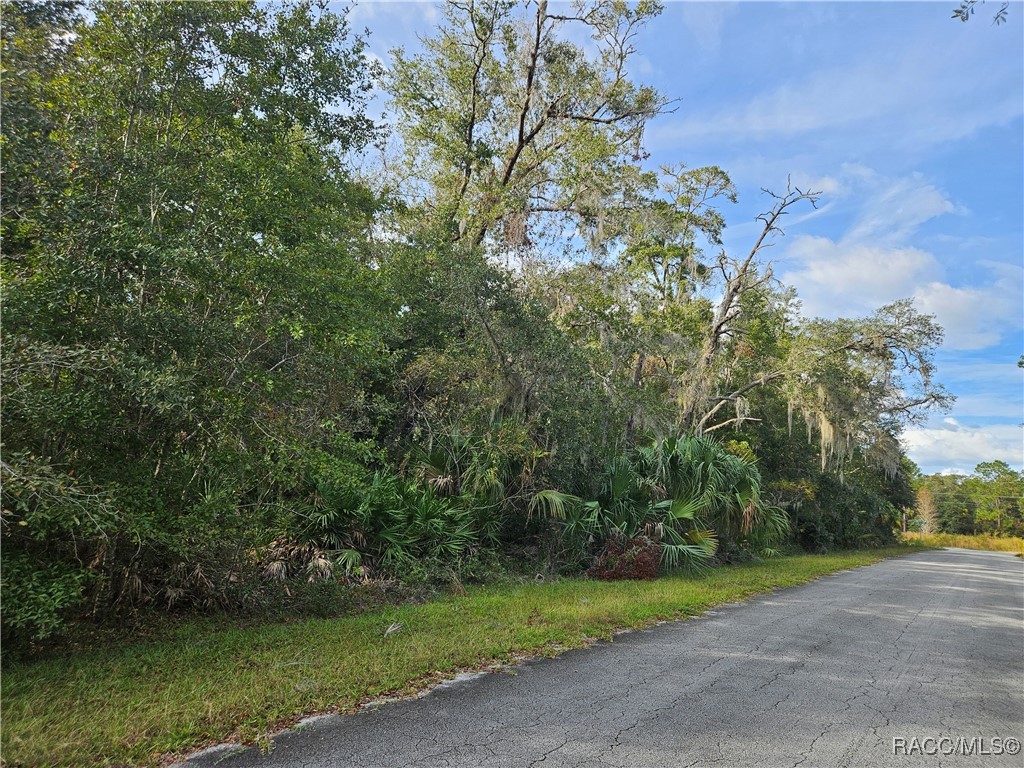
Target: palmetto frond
552, 503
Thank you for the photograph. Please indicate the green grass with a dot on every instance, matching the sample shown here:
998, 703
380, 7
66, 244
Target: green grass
132, 703
991, 543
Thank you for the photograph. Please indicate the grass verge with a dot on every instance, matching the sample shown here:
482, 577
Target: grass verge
990, 543
134, 703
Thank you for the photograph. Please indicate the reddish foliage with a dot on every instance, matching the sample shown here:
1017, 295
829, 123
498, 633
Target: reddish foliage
622, 558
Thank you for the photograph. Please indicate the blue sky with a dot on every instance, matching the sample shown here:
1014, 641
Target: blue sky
910, 123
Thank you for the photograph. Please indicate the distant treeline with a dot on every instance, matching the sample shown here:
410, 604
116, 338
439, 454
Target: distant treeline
988, 501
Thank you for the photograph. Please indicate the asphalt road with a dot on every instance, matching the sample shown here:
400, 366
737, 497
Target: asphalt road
827, 674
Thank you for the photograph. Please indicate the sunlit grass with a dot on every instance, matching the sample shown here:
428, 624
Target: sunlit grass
991, 543
132, 703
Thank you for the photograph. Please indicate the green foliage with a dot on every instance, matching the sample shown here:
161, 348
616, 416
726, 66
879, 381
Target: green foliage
190, 315
45, 511
844, 515
682, 492
479, 360
394, 522
403, 522
665, 240
37, 598
492, 472
863, 379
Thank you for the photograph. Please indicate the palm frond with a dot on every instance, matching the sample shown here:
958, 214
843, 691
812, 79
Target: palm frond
552, 503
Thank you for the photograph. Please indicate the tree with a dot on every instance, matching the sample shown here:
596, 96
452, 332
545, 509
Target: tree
998, 491
989, 501
190, 312
861, 381
856, 379
504, 120
507, 126
700, 402
927, 511
663, 238
957, 507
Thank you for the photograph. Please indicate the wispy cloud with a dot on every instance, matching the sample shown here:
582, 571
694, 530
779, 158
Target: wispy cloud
900, 97
989, 406
897, 210
706, 21
393, 23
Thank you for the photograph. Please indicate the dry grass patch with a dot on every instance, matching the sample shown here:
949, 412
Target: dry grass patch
990, 543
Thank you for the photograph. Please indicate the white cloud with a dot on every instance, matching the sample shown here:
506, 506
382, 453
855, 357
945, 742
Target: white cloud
850, 279
872, 265
977, 243
959, 448
974, 318
792, 109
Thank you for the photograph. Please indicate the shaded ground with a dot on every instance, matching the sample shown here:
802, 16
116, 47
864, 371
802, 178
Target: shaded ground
827, 674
